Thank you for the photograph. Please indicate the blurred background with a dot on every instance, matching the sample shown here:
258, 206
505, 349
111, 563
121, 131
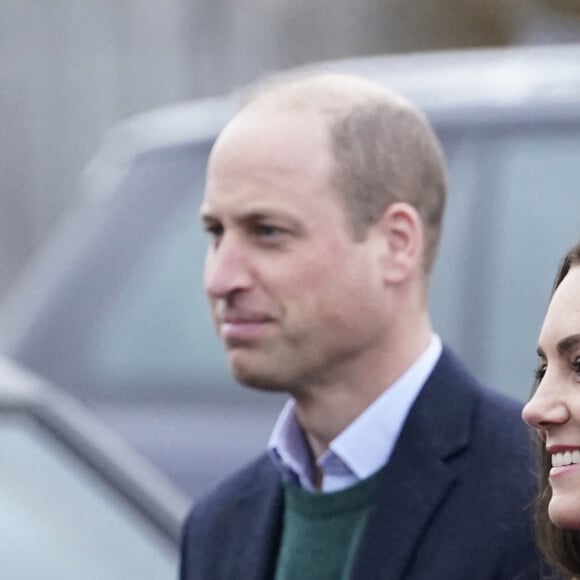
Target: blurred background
69, 70
100, 270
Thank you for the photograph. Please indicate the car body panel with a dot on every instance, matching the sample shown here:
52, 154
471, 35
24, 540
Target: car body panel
75, 501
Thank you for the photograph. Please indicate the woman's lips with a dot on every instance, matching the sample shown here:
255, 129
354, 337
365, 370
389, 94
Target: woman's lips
564, 460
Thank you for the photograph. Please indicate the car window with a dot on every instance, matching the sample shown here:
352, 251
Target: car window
59, 520
538, 218
158, 324
156, 328
512, 213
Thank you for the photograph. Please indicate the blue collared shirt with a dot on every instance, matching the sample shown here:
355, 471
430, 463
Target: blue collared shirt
366, 445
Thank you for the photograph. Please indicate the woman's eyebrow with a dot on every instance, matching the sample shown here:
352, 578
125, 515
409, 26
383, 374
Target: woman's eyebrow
568, 343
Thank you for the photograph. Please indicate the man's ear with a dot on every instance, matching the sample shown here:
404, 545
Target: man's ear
402, 231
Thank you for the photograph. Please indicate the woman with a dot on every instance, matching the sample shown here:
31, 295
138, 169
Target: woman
554, 411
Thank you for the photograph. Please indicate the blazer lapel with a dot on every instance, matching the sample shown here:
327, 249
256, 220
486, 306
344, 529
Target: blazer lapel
417, 479
254, 543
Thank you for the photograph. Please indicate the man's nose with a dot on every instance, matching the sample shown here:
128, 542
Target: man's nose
226, 268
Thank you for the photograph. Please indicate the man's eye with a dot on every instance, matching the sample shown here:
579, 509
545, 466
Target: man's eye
214, 230
267, 231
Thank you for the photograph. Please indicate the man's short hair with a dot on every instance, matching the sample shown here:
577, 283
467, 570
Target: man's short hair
383, 147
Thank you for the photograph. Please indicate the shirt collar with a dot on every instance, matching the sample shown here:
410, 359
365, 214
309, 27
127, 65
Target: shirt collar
366, 444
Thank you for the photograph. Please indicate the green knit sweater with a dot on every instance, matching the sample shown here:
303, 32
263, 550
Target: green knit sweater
322, 531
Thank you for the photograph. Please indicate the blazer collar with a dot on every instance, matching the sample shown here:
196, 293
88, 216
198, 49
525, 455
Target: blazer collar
437, 428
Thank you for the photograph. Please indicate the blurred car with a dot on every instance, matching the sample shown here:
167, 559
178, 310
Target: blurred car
113, 308
75, 502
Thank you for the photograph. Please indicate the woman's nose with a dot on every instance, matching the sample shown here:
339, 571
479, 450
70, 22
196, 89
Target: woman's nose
545, 409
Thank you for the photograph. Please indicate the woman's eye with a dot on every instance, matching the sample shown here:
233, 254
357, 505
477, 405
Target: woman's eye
576, 365
540, 372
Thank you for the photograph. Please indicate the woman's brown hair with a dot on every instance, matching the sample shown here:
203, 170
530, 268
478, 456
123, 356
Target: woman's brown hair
561, 548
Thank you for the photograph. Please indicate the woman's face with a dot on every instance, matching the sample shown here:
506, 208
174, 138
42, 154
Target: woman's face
554, 410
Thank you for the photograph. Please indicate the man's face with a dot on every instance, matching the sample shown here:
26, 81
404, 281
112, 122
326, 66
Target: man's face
295, 300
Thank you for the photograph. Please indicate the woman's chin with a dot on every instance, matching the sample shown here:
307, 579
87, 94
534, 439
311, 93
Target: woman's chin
565, 514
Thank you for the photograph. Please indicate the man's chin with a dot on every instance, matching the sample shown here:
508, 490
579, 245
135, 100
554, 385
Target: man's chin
258, 381
262, 369
257, 377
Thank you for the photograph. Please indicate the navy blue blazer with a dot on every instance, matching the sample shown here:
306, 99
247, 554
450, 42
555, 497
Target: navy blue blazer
454, 500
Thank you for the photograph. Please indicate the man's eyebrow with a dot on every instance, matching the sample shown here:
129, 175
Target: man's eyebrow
248, 217
257, 216
568, 343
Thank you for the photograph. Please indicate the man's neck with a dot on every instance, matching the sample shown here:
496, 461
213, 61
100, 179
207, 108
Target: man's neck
324, 411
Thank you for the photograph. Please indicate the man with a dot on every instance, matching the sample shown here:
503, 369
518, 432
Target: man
323, 205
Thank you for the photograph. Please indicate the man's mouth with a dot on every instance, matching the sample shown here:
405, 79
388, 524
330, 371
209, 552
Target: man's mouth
244, 318
243, 328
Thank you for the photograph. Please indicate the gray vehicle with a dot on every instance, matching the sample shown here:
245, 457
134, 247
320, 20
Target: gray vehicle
75, 501
113, 308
